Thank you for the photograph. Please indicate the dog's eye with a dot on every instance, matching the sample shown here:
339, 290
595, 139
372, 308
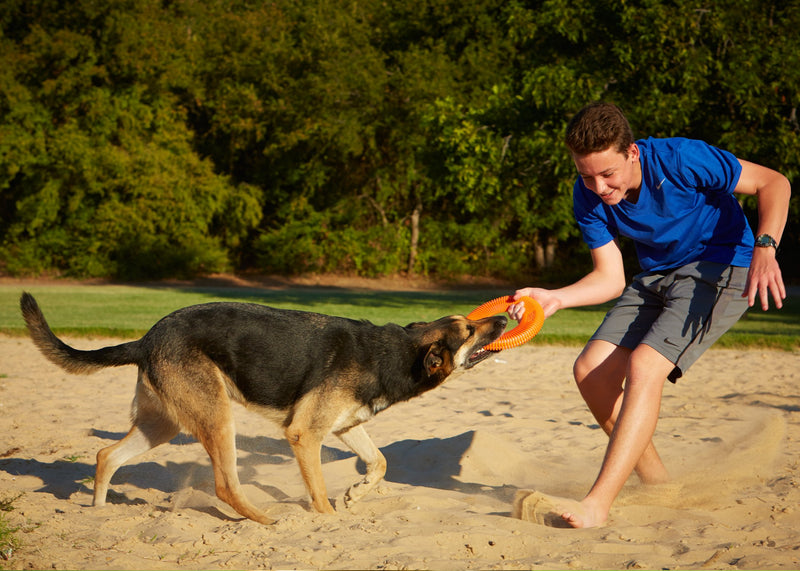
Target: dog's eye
471, 329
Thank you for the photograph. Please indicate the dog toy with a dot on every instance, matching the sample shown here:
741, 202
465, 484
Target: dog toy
528, 327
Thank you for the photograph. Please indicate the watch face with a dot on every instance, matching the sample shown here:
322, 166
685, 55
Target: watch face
765, 241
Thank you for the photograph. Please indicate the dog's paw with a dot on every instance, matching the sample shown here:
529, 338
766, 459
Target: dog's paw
358, 491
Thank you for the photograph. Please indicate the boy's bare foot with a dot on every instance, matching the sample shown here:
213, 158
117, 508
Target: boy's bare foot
553, 511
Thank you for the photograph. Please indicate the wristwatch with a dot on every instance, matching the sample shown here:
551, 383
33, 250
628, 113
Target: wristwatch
765, 241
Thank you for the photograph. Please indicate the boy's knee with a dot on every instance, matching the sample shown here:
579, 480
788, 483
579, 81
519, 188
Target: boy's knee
577, 370
582, 368
600, 360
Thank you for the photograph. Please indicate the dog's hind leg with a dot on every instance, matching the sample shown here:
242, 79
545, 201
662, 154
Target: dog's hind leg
151, 427
197, 394
219, 439
359, 442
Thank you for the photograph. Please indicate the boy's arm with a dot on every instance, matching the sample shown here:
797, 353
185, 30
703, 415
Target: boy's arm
605, 282
772, 191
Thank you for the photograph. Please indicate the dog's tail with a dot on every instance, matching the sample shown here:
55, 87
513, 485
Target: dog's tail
70, 359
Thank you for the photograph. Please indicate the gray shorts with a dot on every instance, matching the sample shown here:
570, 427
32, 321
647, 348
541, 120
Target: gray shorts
680, 313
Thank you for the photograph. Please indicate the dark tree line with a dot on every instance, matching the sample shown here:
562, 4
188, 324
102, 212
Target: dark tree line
154, 138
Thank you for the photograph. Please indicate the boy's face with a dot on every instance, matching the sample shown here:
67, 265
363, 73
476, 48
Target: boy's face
611, 175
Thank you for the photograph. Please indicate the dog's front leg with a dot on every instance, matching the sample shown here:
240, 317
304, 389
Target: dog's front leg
307, 447
359, 442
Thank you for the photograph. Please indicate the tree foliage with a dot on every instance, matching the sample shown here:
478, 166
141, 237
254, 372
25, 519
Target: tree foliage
171, 138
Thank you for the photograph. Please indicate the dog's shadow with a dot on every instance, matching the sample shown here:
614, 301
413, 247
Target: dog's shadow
432, 463
438, 463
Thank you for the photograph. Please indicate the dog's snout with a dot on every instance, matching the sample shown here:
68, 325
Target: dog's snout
502, 321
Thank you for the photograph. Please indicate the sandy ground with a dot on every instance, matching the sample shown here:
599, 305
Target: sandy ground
729, 432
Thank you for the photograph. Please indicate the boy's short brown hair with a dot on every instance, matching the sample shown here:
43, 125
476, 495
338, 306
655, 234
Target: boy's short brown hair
598, 127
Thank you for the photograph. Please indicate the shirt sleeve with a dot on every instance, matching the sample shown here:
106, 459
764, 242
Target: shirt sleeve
707, 168
592, 219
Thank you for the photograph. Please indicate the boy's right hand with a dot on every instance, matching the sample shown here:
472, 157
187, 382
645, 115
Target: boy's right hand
550, 304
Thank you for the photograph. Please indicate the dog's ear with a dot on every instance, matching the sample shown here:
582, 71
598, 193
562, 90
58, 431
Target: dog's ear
433, 366
438, 363
434, 359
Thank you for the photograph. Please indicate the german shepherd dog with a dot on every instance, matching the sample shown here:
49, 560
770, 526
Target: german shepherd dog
313, 373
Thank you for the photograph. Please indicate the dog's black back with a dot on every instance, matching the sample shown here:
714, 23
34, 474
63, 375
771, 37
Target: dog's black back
275, 356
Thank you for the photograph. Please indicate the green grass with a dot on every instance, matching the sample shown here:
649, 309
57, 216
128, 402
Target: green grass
129, 311
8, 539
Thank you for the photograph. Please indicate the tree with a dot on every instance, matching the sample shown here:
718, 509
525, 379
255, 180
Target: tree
106, 181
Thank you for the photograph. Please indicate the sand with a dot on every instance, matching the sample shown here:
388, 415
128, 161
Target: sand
729, 432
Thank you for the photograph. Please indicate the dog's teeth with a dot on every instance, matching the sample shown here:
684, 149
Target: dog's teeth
477, 354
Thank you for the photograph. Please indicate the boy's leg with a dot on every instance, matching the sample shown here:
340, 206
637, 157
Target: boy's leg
630, 438
629, 415
600, 372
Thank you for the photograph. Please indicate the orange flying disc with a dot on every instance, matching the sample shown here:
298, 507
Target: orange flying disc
528, 327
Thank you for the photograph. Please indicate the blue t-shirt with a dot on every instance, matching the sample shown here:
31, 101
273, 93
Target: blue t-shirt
686, 211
